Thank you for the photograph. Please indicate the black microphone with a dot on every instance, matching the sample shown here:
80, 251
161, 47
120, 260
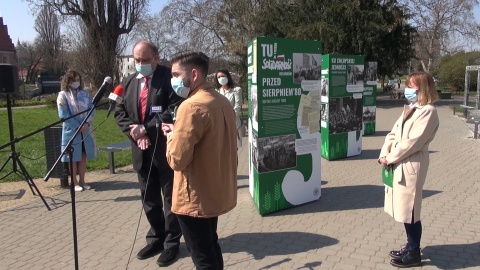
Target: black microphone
157, 110
101, 91
115, 98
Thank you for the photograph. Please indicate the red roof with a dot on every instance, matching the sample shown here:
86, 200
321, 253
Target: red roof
5, 40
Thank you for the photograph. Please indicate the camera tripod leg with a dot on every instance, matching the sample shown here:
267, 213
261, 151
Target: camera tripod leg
29, 179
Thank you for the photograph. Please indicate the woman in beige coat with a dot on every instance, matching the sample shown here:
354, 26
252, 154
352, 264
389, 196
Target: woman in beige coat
406, 149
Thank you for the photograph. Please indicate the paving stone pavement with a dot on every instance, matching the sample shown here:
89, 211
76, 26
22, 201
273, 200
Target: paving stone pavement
345, 229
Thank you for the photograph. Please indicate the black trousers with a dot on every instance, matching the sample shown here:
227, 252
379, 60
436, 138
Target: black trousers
414, 234
164, 226
201, 238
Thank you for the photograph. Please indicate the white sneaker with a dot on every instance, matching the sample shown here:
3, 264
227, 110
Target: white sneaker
86, 187
78, 188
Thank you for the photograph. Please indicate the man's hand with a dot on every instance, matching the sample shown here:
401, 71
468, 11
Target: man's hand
136, 131
143, 142
167, 129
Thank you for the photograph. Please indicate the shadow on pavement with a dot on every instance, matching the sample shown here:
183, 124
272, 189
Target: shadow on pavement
354, 197
261, 245
382, 133
242, 177
113, 185
127, 199
366, 154
457, 256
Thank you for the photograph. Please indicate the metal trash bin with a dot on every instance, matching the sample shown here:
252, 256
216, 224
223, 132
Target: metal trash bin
53, 142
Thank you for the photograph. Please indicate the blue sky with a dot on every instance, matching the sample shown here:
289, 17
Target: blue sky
20, 19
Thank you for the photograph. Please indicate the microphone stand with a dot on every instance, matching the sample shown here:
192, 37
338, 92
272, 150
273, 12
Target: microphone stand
69, 149
15, 156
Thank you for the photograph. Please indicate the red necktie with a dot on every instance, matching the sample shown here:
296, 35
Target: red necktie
143, 100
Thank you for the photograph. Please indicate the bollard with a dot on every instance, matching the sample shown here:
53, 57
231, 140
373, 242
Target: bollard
454, 110
475, 131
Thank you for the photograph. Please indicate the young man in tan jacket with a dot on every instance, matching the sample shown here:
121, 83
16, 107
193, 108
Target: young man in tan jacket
202, 151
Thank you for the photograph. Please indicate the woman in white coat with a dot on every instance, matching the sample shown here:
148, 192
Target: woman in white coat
225, 86
406, 149
71, 100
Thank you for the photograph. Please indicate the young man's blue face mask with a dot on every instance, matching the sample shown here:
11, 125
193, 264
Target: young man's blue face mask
180, 89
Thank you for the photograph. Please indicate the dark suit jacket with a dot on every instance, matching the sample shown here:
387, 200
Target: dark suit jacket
127, 113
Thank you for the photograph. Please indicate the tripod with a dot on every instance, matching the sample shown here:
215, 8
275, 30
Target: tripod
14, 156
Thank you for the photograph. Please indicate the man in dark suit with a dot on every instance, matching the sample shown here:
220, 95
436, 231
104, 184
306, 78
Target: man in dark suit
150, 86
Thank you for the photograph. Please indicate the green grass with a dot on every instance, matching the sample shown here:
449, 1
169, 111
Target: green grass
32, 149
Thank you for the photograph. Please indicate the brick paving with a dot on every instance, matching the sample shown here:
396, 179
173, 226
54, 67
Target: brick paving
345, 229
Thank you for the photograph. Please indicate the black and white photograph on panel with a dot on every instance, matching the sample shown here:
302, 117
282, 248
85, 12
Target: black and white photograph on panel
355, 74
255, 150
324, 111
324, 87
275, 153
369, 114
323, 115
306, 66
254, 103
345, 114
371, 72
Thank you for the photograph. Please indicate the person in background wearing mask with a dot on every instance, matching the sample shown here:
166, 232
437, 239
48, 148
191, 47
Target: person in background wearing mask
406, 150
202, 150
73, 99
224, 85
150, 86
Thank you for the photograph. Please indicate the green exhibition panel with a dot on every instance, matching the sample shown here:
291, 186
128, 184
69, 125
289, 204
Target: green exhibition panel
342, 105
284, 122
370, 98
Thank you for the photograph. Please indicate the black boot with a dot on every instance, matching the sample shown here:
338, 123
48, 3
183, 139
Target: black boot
397, 254
410, 259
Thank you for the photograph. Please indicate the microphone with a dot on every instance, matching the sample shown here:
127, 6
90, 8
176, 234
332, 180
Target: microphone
101, 91
157, 110
115, 98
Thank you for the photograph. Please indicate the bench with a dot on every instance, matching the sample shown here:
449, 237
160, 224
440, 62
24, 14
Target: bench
465, 109
111, 149
444, 94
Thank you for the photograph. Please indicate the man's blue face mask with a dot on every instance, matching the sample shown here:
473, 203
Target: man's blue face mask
145, 69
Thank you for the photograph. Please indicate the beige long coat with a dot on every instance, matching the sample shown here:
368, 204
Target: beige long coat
406, 147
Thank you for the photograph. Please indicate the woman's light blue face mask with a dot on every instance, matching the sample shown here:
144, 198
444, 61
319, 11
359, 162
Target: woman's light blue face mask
411, 94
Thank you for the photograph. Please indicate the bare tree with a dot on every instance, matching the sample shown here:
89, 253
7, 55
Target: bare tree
47, 26
195, 26
104, 22
442, 26
29, 57
157, 29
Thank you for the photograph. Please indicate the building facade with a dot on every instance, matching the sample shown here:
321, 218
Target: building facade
8, 53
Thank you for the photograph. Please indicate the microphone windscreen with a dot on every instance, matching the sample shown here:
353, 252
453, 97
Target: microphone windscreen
117, 94
118, 90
